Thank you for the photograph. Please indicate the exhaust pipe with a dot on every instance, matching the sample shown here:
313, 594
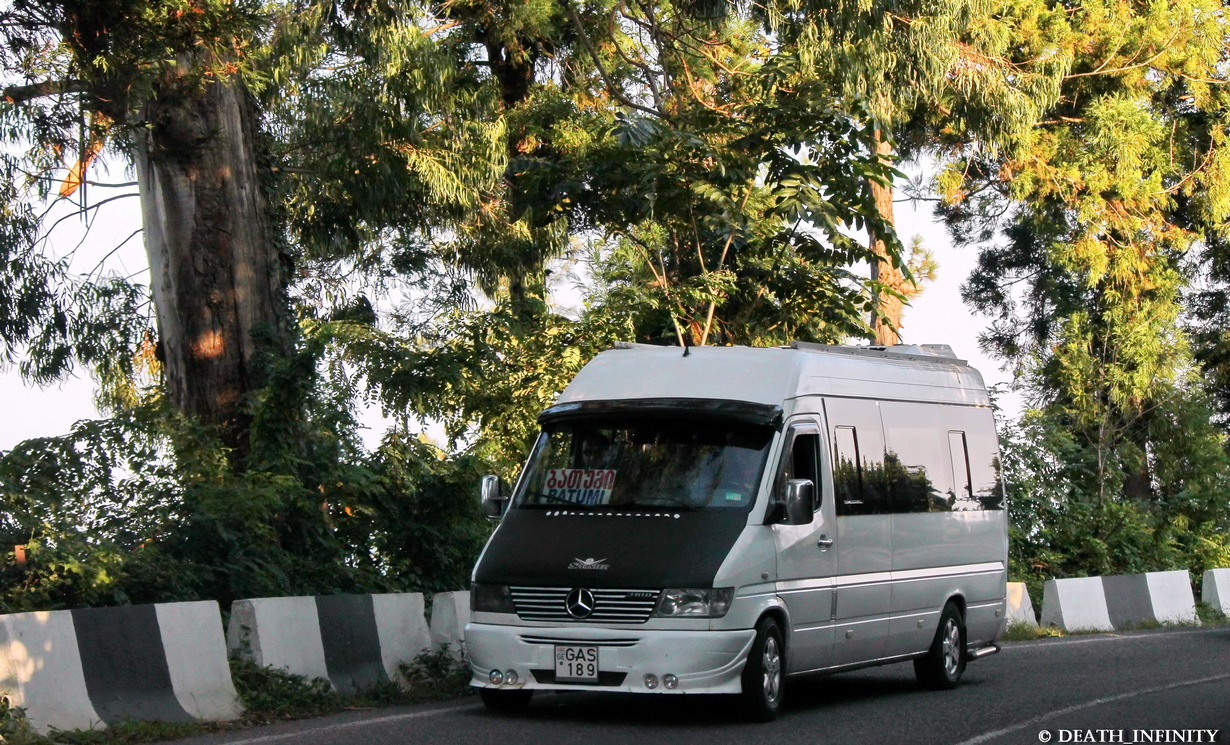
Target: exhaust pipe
977, 654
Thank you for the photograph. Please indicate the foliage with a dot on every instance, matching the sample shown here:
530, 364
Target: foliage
701, 174
269, 694
438, 674
1091, 222
1210, 616
1059, 528
14, 727
110, 516
1020, 631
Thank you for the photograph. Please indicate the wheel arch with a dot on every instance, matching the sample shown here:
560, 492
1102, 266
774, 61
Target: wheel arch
782, 616
957, 599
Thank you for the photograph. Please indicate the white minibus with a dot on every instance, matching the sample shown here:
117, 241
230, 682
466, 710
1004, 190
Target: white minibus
722, 519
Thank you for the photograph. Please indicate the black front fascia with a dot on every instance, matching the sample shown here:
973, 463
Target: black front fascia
655, 550
765, 415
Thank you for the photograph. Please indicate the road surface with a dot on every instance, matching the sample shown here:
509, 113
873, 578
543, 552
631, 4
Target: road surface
1156, 686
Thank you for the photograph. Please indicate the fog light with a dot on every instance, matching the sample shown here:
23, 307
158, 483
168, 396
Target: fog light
670, 681
651, 681
510, 677
496, 677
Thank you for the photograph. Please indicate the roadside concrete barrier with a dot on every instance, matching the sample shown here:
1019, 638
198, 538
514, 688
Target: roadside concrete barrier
401, 628
40, 670
1119, 602
352, 641
450, 611
1216, 590
84, 668
1075, 604
1171, 597
1020, 607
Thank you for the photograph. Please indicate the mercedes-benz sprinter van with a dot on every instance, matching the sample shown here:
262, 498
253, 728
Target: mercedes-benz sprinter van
720, 519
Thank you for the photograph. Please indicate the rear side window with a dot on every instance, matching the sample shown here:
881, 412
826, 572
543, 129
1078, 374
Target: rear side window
963, 494
859, 474
941, 458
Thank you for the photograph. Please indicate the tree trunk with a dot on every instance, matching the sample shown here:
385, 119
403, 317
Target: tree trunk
883, 269
216, 274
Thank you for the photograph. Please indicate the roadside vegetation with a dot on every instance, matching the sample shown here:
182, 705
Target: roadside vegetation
443, 210
1019, 631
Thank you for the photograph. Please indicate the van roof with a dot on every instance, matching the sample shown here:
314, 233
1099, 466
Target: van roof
772, 375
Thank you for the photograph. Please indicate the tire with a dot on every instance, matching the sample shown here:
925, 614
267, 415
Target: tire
505, 701
764, 675
942, 666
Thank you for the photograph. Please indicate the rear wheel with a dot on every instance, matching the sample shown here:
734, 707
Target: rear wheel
764, 675
505, 701
942, 666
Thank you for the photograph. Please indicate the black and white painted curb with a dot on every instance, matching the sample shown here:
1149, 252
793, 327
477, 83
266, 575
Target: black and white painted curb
450, 611
352, 641
1118, 602
86, 668
1020, 607
1215, 590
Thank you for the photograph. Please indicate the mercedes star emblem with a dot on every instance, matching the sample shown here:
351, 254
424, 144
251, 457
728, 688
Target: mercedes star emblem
579, 603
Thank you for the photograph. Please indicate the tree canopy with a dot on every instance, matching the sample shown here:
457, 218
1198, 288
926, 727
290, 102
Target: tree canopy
357, 202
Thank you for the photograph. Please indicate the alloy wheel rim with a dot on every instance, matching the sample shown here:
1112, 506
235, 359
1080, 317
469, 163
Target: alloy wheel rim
772, 663
952, 647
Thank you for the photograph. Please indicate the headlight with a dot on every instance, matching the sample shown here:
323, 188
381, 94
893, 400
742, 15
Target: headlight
491, 599
695, 603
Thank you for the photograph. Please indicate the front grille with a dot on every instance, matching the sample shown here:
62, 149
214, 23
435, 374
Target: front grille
605, 678
610, 606
587, 642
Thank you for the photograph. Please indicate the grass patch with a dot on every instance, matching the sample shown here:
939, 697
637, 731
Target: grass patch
1020, 631
1156, 625
267, 695
1210, 616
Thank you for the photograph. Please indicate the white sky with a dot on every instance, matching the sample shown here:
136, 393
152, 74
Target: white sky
936, 317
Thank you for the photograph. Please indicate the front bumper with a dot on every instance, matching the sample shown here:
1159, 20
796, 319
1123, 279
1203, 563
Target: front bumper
703, 661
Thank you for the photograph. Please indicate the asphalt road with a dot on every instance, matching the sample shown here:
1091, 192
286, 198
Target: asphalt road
1106, 688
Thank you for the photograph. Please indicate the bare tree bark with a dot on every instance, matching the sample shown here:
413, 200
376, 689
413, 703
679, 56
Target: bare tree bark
217, 278
883, 269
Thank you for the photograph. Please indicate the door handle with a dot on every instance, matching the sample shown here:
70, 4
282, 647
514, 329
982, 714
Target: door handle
824, 541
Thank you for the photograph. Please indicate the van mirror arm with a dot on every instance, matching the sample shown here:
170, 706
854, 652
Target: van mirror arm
493, 501
776, 512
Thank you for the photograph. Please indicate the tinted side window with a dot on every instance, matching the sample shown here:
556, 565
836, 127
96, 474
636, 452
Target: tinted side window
857, 423
847, 475
917, 463
982, 448
958, 453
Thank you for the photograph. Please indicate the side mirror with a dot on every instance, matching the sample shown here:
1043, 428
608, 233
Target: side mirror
493, 501
799, 505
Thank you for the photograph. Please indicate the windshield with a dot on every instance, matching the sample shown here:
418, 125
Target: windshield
646, 462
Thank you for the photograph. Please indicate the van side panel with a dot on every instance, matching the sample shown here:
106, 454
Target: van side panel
970, 567
864, 589
864, 542
949, 525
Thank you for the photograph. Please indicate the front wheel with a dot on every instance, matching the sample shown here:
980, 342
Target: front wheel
942, 666
764, 673
505, 701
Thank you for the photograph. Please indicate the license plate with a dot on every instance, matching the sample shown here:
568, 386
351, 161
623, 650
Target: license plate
576, 664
